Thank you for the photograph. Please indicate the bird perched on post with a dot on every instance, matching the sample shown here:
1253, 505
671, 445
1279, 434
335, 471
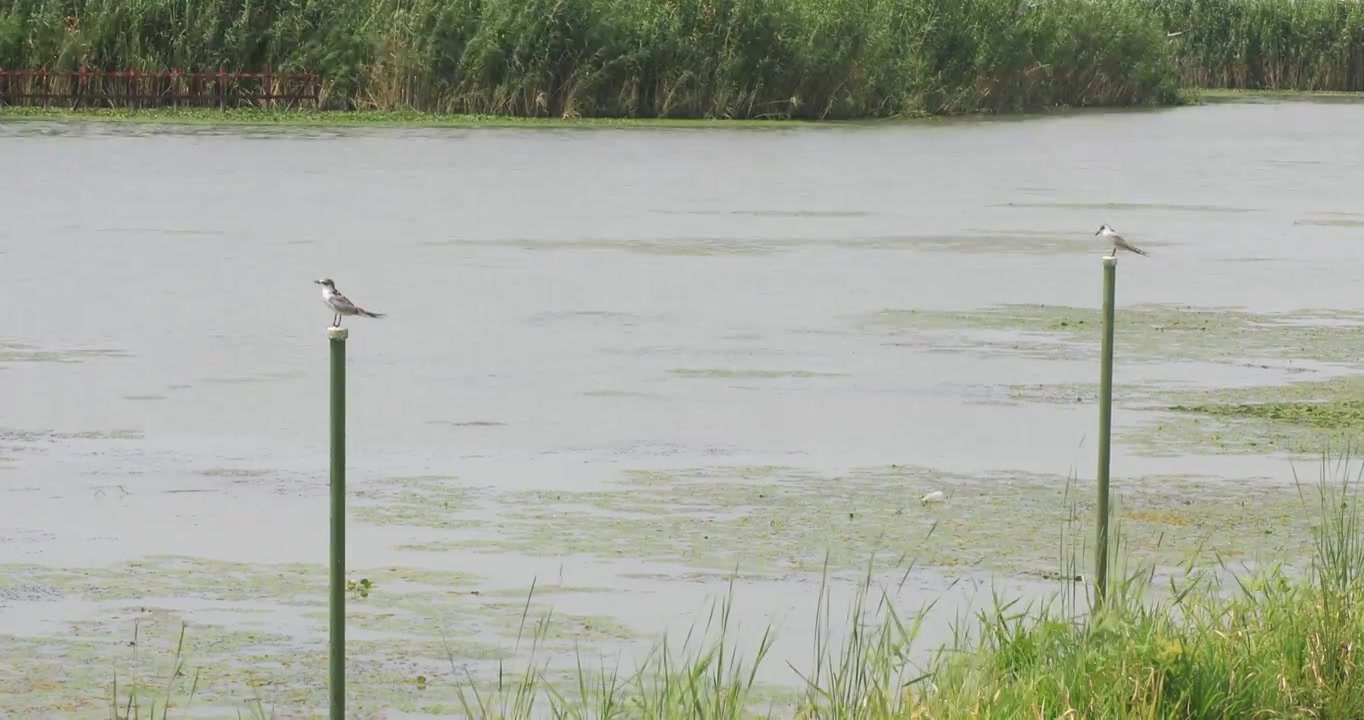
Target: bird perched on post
1118, 242
340, 304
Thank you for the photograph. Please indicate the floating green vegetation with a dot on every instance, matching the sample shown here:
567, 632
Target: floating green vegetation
1294, 418
435, 501
1301, 615
1025, 242
235, 472
622, 394
1159, 646
775, 521
405, 622
34, 436
1154, 333
1125, 394
1332, 222
679, 246
1133, 207
15, 351
258, 378
1241, 95
737, 373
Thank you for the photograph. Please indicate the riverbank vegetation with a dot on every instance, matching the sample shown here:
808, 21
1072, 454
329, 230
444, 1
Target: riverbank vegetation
814, 59
631, 58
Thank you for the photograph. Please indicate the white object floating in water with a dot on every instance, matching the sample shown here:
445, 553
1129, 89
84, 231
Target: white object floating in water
935, 496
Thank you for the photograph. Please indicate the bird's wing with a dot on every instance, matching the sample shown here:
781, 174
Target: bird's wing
341, 301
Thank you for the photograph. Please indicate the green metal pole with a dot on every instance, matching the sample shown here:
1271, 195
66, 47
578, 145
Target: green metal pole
337, 658
1105, 433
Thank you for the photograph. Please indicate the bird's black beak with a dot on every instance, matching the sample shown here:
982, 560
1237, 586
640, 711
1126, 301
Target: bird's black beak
317, 282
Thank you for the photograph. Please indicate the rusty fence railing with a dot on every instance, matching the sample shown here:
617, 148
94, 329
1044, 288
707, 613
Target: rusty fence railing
134, 89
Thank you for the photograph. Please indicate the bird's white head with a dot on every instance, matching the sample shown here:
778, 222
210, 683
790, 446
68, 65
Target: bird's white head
1102, 229
325, 282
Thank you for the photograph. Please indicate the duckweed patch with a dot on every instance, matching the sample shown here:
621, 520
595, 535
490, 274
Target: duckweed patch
13, 351
736, 373
250, 379
413, 622
622, 394
433, 501
1294, 418
234, 472
1150, 333
1132, 207
1157, 421
1332, 222
1057, 393
670, 246
782, 520
21, 435
1021, 242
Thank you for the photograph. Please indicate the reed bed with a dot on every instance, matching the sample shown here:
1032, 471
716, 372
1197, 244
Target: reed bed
1315, 45
809, 59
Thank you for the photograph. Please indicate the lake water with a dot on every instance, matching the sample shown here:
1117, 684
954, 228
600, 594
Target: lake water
683, 324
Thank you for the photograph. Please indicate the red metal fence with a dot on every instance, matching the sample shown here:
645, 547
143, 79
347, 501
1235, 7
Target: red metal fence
130, 88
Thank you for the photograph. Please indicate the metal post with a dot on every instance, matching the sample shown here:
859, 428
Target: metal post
337, 658
1105, 431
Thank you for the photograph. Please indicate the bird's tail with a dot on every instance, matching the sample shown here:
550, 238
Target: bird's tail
365, 313
1136, 250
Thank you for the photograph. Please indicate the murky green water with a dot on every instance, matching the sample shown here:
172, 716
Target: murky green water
622, 364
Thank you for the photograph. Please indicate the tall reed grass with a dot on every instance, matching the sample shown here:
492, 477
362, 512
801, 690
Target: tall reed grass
631, 58
713, 58
1267, 44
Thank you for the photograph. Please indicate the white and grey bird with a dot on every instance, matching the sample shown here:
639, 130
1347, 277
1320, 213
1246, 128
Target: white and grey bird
1119, 243
340, 304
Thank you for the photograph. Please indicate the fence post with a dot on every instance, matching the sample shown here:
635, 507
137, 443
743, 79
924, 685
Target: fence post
337, 649
1105, 433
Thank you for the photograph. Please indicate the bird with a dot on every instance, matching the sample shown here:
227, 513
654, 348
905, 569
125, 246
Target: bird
340, 304
1118, 242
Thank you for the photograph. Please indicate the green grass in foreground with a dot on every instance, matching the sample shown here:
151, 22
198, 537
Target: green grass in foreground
1272, 643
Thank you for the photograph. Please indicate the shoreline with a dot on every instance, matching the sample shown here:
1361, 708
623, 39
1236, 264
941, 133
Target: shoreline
413, 119
392, 119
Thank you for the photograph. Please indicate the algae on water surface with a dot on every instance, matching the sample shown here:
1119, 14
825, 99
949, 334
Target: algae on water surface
252, 631
1152, 333
1298, 418
777, 521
